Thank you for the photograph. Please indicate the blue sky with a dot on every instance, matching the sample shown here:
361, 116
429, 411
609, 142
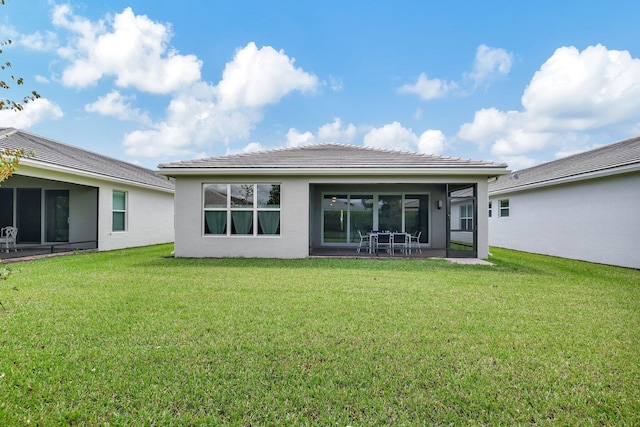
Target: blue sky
520, 82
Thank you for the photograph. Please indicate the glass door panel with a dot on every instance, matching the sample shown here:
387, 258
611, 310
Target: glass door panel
361, 215
390, 213
461, 219
335, 210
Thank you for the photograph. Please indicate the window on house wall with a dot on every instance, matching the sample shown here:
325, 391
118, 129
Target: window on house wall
241, 209
119, 207
466, 217
504, 207
490, 209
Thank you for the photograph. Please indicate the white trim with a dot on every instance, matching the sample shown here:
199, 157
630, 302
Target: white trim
364, 171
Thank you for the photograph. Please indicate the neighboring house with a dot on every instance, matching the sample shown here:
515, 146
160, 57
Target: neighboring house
585, 207
72, 197
284, 203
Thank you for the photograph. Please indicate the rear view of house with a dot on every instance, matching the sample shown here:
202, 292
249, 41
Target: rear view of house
585, 207
286, 203
67, 196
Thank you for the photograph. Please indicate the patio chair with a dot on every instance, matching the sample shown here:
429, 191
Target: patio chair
365, 239
8, 237
415, 238
400, 240
384, 240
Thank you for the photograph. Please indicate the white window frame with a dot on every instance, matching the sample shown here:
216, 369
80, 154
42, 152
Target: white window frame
504, 210
466, 217
122, 211
490, 209
255, 209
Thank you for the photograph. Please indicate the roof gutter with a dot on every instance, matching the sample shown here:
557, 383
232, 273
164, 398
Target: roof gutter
290, 171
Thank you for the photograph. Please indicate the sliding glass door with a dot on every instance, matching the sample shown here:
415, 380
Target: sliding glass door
343, 215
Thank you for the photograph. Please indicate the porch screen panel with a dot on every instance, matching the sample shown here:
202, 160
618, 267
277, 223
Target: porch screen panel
335, 212
6, 207
361, 215
57, 215
29, 218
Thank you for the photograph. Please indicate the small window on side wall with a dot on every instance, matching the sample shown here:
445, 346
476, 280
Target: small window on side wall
119, 208
504, 207
490, 209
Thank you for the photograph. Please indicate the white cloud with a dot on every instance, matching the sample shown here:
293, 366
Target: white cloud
132, 48
258, 77
335, 131
432, 142
296, 138
427, 88
573, 92
116, 105
202, 114
392, 136
33, 112
42, 79
489, 63
40, 42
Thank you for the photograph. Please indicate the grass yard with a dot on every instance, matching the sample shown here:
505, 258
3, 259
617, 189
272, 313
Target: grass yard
134, 338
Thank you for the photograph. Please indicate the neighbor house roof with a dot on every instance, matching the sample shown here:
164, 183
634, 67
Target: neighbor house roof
620, 157
54, 155
331, 158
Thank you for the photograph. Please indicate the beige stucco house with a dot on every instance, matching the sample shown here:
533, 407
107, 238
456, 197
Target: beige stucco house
284, 203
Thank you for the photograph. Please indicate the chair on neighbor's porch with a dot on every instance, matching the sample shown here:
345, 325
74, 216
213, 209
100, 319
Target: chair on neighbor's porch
8, 237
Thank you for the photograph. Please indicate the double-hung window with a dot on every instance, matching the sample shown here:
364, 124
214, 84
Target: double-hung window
466, 217
241, 209
504, 207
119, 211
490, 209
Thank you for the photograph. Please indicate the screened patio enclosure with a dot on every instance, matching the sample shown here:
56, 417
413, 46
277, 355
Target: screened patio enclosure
433, 211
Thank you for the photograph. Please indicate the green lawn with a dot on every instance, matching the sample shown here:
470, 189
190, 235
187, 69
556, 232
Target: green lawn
137, 338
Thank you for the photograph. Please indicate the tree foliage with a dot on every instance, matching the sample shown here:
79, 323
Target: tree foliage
9, 159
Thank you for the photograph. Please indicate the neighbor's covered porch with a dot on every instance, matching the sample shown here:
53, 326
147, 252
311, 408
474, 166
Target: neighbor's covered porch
50, 215
442, 217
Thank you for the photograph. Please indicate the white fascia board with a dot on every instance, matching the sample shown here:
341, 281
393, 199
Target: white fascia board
569, 179
85, 174
489, 172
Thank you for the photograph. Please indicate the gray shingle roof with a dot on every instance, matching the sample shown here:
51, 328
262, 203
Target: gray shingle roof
332, 156
604, 159
49, 152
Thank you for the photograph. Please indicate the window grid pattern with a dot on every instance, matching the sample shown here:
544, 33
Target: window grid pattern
241, 209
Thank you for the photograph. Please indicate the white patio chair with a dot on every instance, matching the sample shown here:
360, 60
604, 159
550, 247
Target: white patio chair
8, 237
365, 239
415, 238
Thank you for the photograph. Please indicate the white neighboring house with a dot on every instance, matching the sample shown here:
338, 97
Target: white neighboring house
285, 203
74, 198
584, 207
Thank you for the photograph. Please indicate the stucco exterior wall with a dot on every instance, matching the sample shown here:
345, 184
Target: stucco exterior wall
594, 220
293, 241
149, 221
